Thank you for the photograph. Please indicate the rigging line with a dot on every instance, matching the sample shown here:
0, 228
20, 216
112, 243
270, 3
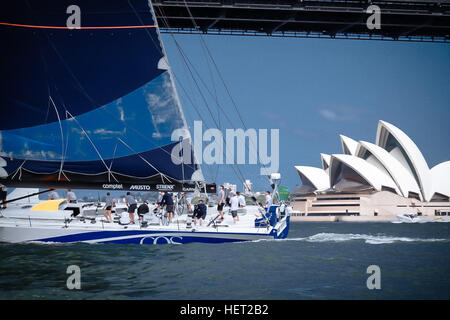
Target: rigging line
240, 175
219, 73
176, 78
145, 160
90, 99
191, 96
206, 125
165, 57
195, 70
212, 117
67, 134
95, 148
159, 47
205, 46
64, 150
199, 90
142, 135
114, 157
19, 169
185, 57
62, 138
233, 102
161, 50
193, 105
204, 99
173, 74
218, 106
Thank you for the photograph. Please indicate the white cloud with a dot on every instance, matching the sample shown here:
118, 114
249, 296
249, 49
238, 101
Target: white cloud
341, 113
329, 114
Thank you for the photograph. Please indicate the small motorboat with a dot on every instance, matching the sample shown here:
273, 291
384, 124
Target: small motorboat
408, 218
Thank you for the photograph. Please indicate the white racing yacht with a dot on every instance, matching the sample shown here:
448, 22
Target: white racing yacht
57, 221
92, 104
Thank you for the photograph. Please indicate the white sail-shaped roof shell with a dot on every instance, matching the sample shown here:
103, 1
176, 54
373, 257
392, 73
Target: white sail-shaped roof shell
406, 151
440, 175
384, 161
325, 161
374, 176
318, 177
349, 145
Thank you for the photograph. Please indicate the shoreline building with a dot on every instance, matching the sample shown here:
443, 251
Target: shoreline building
374, 181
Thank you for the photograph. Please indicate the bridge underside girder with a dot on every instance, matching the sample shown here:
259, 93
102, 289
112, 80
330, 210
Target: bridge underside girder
425, 20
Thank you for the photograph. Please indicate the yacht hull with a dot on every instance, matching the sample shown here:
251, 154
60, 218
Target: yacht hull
134, 235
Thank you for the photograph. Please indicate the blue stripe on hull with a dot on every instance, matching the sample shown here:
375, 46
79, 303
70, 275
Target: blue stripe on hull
154, 237
172, 240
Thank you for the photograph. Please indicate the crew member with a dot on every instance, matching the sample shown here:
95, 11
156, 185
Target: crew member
143, 209
167, 201
234, 203
3, 193
53, 195
200, 212
71, 197
109, 203
131, 204
221, 203
268, 200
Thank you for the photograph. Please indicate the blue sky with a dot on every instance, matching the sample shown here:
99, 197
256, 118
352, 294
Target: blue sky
315, 89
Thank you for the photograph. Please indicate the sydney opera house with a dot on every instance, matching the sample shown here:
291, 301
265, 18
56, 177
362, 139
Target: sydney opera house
378, 180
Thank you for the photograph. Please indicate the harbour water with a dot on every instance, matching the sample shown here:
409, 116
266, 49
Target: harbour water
317, 261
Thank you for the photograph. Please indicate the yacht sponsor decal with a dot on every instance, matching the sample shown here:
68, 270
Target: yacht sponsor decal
169, 240
112, 186
141, 187
165, 187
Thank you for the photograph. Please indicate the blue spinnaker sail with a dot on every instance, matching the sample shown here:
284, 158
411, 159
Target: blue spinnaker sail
87, 107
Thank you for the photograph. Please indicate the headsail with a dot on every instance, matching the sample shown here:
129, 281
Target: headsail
92, 107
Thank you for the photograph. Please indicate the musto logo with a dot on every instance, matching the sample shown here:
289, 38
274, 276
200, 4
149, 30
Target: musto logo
141, 187
161, 240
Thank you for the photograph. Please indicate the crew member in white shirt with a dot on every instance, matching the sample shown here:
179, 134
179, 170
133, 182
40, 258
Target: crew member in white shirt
234, 202
242, 202
268, 200
53, 195
71, 197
